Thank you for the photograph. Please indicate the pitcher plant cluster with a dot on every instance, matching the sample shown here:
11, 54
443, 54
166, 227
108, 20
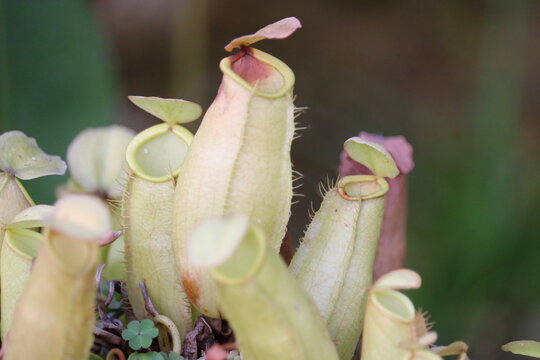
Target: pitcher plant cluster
166, 244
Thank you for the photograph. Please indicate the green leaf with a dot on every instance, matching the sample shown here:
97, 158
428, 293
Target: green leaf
146, 324
172, 111
128, 334
171, 356
20, 155
147, 356
135, 343
145, 341
175, 356
134, 326
151, 333
523, 347
137, 356
372, 155
140, 334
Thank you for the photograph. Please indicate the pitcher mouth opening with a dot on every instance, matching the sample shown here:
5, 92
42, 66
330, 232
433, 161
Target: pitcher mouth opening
157, 153
231, 248
249, 68
245, 262
394, 304
362, 187
255, 70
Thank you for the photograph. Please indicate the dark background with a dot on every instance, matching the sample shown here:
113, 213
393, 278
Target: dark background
459, 78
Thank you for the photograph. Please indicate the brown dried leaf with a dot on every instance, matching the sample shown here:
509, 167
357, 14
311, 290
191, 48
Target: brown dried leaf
204, 335
200, 338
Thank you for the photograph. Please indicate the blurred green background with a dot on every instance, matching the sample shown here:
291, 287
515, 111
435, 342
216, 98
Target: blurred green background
459, 78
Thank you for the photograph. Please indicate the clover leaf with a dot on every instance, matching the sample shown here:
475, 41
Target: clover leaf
140, 334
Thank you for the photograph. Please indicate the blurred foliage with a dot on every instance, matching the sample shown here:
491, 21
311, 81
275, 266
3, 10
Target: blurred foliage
55, 77
479, 253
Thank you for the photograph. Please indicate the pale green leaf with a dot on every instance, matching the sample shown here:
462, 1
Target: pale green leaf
172, 111
399, 280
523, 347
373, 156
20, 155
